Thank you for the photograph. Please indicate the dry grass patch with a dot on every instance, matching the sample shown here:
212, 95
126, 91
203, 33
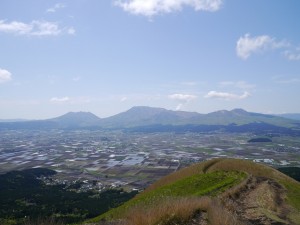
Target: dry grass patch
181, 211
218, 215
170, 211
249, 167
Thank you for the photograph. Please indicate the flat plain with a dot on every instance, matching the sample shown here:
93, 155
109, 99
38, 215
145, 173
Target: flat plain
132, 160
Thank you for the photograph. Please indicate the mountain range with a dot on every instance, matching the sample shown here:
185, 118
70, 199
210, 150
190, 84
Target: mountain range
159, 118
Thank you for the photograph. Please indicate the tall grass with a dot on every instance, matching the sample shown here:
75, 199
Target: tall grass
180, 211
218, 215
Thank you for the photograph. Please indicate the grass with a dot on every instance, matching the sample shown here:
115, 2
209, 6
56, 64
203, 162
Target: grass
196, 185
172, 210
186, 194
181, 174
259, 170
180, 211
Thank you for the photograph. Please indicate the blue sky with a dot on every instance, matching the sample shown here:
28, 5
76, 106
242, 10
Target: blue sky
107, 56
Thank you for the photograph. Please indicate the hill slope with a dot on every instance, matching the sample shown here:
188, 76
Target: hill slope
218, 192
293, 116
143, 116
68, 120
76, 119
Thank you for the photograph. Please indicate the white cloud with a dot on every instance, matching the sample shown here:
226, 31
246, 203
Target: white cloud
15, 27
80, 100
60, 100
248, 45
4, 76
56, 7
293, 55
226, 95
71, 31
179, 106
182, 99
238, 84
34, 28
150, 8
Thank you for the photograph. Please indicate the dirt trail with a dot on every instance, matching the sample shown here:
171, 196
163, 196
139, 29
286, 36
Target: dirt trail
259, 202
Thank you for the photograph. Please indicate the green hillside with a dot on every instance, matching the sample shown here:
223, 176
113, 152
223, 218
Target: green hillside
219, 191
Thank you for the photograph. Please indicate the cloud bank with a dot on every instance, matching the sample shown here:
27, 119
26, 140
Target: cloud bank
5, 76
150, 8
34, 28
226, 95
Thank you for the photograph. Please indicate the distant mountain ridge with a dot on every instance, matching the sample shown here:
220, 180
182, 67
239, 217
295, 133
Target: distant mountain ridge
75, 119
293, 116
143, 116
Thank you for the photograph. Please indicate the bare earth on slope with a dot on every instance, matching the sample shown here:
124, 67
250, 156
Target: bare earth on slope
260, 202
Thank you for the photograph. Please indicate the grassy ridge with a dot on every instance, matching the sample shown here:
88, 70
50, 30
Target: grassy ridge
259, 170
197, 185
292, 186
178, 197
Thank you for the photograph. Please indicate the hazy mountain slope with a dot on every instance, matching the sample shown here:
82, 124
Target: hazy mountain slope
143, 116
77, 119
219, 192
12, 120
293, 116
29, 125
68, 120
241, 117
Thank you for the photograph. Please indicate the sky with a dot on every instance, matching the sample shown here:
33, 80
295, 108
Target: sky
106, 56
